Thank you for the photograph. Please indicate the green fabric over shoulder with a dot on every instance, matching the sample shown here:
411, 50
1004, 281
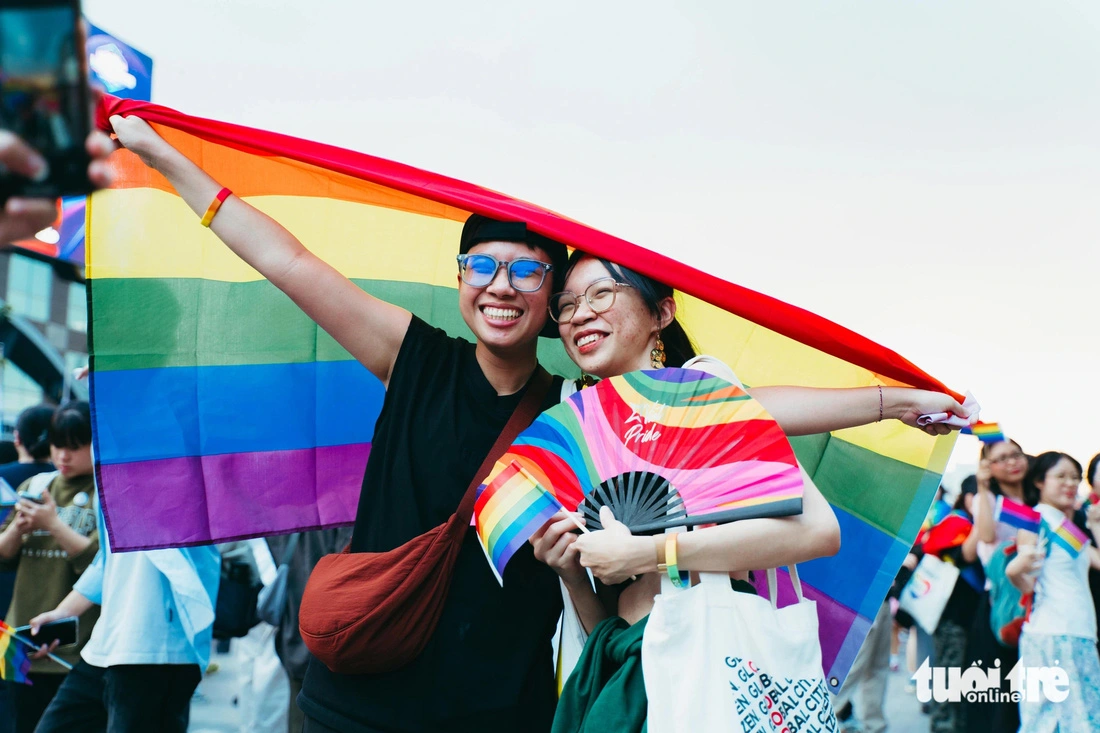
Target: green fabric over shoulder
606, 692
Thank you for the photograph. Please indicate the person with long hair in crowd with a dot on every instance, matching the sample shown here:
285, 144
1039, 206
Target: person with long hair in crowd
50, 540
1000, 478
1061, 628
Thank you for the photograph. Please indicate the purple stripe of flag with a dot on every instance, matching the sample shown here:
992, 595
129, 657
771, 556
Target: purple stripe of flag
164, 503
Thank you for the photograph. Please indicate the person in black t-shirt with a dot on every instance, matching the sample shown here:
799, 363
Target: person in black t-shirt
488, 664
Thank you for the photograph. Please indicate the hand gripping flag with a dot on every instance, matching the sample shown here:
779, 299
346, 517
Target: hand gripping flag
220, 410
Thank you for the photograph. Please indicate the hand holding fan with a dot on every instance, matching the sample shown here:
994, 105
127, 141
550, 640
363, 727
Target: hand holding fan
661, 448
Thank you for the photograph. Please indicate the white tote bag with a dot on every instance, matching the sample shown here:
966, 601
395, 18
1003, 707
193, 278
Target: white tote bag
716, 659
926, 594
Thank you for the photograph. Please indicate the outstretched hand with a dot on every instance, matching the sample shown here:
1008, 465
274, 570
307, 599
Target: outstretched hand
137, 136
918, 402
613, 554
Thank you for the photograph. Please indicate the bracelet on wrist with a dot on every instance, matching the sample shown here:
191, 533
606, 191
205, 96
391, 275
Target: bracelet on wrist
679, 578
216, 204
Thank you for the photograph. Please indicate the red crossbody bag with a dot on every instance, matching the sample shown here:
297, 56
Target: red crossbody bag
371, 612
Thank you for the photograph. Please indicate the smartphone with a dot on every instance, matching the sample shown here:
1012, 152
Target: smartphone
44, 94
63, 630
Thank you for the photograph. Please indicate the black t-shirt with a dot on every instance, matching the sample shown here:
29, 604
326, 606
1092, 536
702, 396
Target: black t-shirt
488, 666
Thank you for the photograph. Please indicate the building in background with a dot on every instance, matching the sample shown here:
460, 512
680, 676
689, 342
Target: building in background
43, 332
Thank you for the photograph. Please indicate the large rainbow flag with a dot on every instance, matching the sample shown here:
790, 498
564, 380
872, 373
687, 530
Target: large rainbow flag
222, 412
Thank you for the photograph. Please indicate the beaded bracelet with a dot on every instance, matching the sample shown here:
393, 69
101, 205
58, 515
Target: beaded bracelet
214, 206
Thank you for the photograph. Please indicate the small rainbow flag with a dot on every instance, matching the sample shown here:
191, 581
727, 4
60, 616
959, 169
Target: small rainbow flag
987, 432
1017, 515
14, 662
509, 510
1069, 537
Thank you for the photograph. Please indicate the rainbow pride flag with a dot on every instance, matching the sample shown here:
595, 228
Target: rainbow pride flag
221, 411
1069, 536
987, 432
1017, 515
15, 665
509, 509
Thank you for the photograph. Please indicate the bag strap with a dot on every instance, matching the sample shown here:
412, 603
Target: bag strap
525, 413
291, 546
773, 594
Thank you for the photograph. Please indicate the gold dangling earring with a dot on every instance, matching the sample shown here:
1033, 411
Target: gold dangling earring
657, 355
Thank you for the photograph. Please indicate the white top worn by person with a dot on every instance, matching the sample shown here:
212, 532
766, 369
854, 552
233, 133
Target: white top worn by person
1063, 605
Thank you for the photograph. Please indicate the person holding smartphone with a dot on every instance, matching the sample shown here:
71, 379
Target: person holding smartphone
50, 539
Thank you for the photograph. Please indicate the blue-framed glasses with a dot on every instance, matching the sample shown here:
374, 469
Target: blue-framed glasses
525, 276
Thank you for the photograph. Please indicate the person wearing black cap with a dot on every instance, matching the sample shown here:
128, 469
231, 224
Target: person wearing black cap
488, 663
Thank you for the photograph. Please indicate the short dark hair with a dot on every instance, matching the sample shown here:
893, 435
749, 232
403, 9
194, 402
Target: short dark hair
1038, 472
480, 228
678, 346
71, 426
33, 426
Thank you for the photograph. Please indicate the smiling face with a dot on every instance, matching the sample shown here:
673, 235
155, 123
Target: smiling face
503, 319
619, 339
1059, 487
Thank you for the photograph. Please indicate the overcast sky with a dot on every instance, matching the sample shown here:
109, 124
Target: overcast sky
925, 173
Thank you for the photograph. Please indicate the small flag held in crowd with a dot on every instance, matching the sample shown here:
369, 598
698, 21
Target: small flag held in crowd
14, 662
1017, 515
1069, 537
987, 432
510, 508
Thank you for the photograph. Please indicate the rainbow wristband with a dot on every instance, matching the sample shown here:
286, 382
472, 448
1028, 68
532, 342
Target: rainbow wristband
214, 206
678, 578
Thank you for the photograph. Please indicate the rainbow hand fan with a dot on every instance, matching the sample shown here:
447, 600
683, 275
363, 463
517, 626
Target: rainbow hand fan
661, 448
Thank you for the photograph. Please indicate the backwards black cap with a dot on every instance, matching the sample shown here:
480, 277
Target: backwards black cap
478, 229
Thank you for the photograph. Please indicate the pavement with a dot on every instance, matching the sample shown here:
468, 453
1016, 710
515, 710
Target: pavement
216, 707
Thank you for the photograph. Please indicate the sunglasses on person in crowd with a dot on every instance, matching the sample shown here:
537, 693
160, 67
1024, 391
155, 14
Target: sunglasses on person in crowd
524, 275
